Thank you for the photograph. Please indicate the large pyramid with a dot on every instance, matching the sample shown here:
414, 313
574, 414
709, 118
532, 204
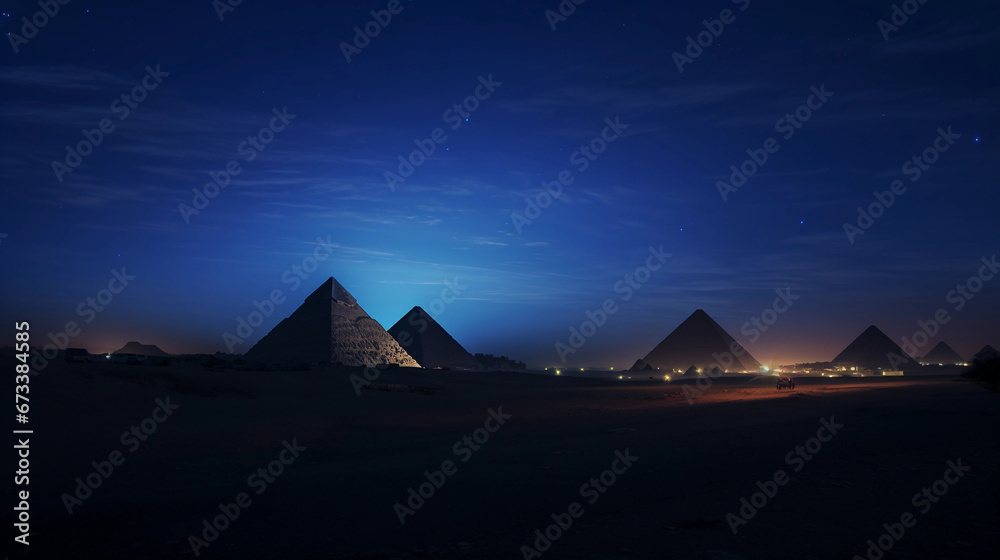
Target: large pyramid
330, 327
424, 339
941, 354
873, 349
700, 342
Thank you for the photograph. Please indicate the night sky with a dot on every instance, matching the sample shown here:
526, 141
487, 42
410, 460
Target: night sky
837, 105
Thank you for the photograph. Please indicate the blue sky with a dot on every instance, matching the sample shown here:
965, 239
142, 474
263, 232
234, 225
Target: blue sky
323, 174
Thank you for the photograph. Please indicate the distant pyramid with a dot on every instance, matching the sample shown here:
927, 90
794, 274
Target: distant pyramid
133, 347
987, 353
696, 342
941, 354
641, 365
711, 371
330, 327
872, 349
424, 339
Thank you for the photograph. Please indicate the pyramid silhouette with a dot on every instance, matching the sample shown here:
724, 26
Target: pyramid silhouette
873, 349
700, 342
987, 353
330, 327
133, 347
427, 341
641, 365
941, 354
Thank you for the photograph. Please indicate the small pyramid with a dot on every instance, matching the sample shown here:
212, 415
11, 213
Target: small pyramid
427, 341
330, 327
133, 347
873, 349
941, 354
987, 353
711, 371
641, 365
700, 342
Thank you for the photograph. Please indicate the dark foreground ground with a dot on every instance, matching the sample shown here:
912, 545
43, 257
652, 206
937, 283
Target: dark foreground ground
363, 452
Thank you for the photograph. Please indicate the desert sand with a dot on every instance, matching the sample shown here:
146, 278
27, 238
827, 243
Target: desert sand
364, 451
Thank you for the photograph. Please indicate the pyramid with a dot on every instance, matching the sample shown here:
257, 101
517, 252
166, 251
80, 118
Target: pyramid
872, 349
134, 347
941, 354
987, 353
424, 339
330, 327
699, 341
641, 365
711, 371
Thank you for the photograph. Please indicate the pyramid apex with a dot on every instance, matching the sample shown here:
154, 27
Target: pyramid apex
333, 290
